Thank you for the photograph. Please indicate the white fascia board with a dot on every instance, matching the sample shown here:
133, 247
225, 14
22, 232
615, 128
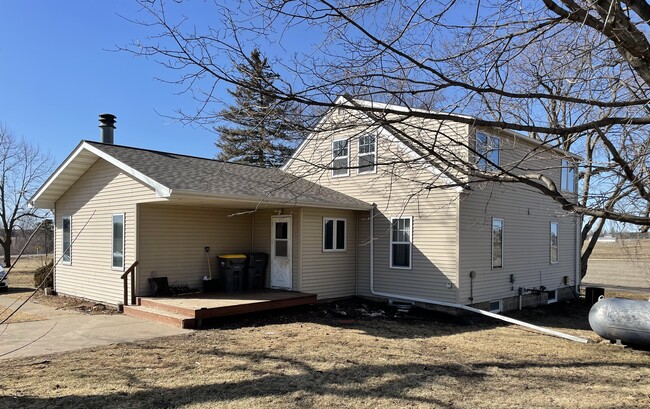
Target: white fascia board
31, 202
160, 189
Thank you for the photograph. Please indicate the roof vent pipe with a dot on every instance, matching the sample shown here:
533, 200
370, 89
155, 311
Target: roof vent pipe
107, 123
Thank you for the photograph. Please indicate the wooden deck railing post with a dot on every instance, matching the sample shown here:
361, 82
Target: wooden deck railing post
125, 277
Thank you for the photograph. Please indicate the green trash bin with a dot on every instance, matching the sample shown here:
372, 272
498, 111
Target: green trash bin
231, 271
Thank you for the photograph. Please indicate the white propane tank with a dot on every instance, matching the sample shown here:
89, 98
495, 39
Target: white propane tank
622, 319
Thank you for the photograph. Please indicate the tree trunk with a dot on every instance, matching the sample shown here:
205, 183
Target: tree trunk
586, 252
6, 246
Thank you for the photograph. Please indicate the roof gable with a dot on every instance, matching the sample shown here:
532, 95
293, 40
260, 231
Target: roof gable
174, 176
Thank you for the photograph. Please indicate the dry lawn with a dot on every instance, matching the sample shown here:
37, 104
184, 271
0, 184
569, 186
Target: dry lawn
17, 317
312, 358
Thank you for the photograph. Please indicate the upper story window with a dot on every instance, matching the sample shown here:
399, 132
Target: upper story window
487, 149
568, 176
367, 153
66, 242
333, 234
340, 158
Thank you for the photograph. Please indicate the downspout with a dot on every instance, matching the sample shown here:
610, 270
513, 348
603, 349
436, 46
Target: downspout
452, 305
577, 254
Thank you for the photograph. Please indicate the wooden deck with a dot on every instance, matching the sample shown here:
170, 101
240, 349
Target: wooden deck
188, 311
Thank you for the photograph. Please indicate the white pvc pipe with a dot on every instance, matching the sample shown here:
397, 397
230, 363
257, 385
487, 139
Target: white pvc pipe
453, 305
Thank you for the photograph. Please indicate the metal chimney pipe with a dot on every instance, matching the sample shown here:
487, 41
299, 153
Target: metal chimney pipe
107, 123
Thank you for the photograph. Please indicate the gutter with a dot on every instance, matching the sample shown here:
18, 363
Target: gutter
453, 305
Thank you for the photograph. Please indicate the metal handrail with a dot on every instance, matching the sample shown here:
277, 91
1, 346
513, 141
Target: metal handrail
131, 270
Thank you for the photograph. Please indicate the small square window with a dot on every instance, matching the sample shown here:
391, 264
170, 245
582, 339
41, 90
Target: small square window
334, 234
552, 296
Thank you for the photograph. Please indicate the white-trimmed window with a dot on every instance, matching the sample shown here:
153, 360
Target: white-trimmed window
487, 149
568, 176
552, 296
66, 240
497, 243
118, 242
340, 158
400, 242
554, 244
367, 153
333, 234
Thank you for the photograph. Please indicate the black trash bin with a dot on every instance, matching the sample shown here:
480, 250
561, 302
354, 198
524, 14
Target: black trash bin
231, 271
256, 270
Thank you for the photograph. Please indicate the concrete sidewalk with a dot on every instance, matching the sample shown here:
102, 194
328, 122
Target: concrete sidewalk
62, 330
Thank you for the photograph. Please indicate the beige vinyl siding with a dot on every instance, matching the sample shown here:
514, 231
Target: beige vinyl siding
172, 240
101, 192
328, 274
399, 189
527, 216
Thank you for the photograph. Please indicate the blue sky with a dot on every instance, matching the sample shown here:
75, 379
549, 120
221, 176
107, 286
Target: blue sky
57, 75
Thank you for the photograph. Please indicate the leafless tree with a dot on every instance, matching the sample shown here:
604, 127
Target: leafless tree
23, 167
574, 74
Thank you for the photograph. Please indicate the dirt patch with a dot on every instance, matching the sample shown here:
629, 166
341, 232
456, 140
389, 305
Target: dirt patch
366, 358
61, 302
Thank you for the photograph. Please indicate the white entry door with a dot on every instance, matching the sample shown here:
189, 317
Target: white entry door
281, 273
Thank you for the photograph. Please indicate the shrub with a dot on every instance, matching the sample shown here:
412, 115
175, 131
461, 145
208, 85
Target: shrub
42, 272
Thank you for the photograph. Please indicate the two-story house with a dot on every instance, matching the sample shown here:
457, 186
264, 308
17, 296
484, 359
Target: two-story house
367, 206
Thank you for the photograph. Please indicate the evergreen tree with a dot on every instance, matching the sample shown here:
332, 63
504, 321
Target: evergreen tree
264, 131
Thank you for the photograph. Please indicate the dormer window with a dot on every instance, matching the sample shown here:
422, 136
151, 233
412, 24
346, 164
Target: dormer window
340, 158
367, 153
487, 150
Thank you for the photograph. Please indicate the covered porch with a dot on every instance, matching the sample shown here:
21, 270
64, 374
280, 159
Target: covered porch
190, 311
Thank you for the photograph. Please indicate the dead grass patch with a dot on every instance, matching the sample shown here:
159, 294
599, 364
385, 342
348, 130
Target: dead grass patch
311, 358
17, 317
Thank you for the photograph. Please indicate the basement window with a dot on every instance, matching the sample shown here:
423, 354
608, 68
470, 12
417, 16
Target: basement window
66, 242
552, 296
495, 306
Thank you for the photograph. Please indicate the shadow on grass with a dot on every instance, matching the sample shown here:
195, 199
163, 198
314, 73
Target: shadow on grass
298, 389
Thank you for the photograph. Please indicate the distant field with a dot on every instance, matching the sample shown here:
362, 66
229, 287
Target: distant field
623, 250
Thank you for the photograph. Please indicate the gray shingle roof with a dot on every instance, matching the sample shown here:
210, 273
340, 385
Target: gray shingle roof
194, 175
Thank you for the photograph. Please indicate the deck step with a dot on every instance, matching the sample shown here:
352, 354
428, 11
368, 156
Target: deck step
157, 315
166, 307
